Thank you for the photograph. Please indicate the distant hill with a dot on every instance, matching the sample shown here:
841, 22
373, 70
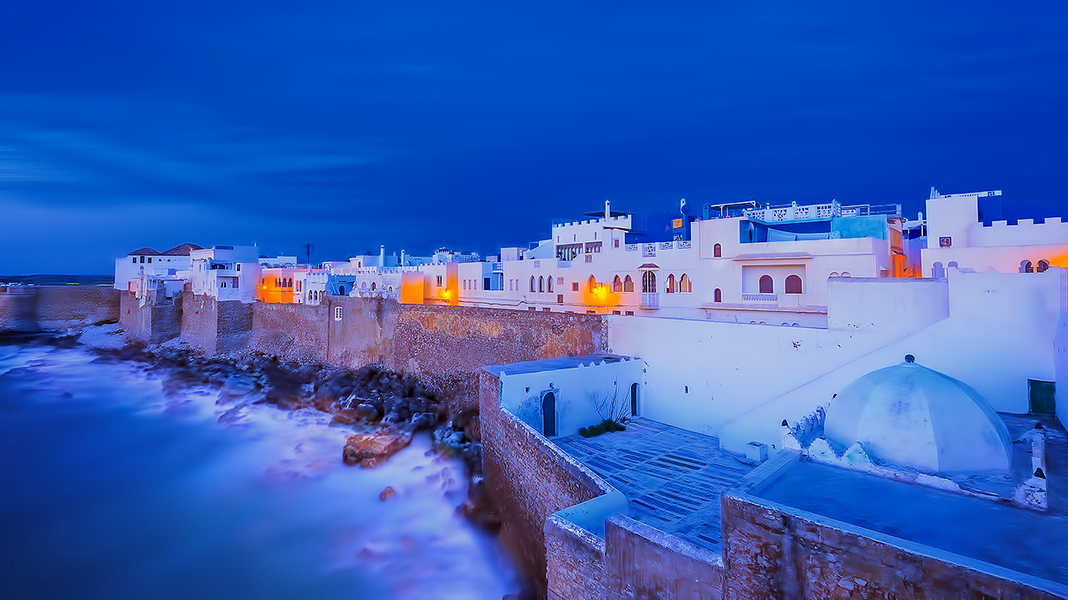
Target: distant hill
100, 280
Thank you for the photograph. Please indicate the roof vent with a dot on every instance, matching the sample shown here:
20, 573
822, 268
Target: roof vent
910, 358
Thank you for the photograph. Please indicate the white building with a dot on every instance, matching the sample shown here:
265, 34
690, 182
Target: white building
225, 272
957, 237
146, 262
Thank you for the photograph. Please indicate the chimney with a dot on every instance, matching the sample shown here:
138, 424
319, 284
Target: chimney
382, 256
607, 210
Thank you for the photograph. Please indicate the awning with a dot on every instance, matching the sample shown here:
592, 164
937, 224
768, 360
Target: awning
648, 267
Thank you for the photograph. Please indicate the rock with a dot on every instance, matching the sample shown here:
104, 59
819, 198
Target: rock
345, 417
387, 493
365, 412
424, 420
368, 450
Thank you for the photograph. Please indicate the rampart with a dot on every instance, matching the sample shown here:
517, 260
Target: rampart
151, 324
55, 308
212, 326
530, 479
446, 346
778, 551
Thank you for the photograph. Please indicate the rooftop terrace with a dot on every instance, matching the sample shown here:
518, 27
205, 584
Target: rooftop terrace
673, 478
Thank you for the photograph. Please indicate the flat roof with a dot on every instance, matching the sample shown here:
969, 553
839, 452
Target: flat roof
998, 533
672, 477
554, 364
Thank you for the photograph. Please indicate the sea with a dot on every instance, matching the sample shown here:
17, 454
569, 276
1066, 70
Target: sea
119, 481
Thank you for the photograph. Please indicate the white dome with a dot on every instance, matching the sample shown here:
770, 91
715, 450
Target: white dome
914, 416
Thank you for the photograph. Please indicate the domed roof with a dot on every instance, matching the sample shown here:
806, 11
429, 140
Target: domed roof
914, 416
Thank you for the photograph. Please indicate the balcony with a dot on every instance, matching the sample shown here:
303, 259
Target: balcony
651, 300
760, 298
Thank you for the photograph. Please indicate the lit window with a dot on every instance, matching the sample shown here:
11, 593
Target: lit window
685, 285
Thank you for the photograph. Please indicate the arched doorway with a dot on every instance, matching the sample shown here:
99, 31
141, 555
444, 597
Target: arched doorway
648, 282
634, 400
340, 290
548, 411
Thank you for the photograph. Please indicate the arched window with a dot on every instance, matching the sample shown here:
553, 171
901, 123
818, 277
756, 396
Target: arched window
670, 287
628, 284
685, 285
648, 282
718, 295
340, 290
845, 274
617, 285
717, 251
289, 282
938, 271
591, 284
277, 282
533, 283
1026, 267
793, 284
549, 285
541, 284
833, 274
1043, 265
767, 284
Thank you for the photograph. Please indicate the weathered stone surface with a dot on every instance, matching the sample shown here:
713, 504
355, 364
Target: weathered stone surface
371, 449
387, 493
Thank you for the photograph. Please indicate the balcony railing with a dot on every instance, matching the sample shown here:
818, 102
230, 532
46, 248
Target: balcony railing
760, 297
650, 300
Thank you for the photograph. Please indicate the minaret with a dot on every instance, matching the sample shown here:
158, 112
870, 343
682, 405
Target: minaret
607, 209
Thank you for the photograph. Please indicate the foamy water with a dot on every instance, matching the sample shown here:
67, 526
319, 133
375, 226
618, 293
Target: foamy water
120, 482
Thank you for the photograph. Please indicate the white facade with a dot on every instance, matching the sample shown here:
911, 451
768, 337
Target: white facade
146, 262
956, 237
559, 396
225, 272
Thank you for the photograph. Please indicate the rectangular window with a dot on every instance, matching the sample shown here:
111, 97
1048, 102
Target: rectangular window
236, 282
589, 258
238, 266
134, 260
615, 312
439, 280
337, 313
533, 309
142, 260
560, 281
615, 243
149, 259
559, 298
630, 312
546, 310
574, 286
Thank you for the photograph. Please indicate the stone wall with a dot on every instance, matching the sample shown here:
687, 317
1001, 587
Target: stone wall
530, 479
644, 562
55, 308
150, 324
775, 554
234, 325
200, 318
575, 558
446, 346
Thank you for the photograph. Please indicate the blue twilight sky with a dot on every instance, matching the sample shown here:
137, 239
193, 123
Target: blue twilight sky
472, 125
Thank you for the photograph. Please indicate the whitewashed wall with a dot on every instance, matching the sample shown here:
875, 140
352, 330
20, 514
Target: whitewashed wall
577, 391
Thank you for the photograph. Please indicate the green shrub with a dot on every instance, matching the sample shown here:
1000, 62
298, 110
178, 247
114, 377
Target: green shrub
605, 426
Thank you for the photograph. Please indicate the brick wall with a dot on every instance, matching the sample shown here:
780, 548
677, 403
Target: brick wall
55, 308
529, 479
771, 554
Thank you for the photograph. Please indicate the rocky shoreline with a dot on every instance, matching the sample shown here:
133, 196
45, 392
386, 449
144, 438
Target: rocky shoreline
385, 409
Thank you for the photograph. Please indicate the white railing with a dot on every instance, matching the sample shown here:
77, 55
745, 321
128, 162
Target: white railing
760, 297
650, 300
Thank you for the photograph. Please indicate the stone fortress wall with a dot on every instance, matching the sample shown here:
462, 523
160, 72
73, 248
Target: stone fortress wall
55, 308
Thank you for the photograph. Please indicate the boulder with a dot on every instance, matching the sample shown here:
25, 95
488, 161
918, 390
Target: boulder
370, 449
